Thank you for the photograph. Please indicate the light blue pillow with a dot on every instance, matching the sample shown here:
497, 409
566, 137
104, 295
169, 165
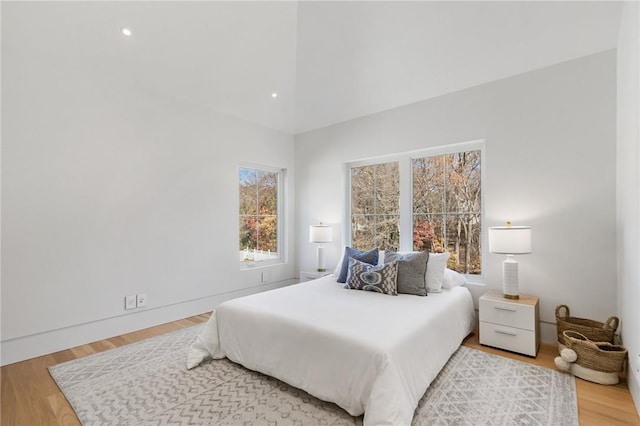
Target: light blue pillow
370, 257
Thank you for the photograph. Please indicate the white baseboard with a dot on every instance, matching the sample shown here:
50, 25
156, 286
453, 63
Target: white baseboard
633, 381
27, 347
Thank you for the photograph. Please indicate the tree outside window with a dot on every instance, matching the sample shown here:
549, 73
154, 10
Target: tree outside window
375, 206
447, 208
444, 191
258, 214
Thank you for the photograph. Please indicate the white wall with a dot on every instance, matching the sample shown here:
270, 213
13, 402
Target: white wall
628, 195
550, 163
107, 191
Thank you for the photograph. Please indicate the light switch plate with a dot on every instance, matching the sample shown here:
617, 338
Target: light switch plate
130, 302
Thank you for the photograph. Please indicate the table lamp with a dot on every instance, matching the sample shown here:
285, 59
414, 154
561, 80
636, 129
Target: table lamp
510, 240
320, 234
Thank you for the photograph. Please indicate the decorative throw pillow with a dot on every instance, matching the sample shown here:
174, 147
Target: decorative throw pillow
452, 279
364, 276
370, 257
412, 268
435, 271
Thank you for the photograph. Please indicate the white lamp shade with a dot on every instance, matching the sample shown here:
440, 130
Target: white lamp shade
510, 239
320, 234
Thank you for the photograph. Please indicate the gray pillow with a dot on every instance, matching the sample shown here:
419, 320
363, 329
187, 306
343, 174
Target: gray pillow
412, 268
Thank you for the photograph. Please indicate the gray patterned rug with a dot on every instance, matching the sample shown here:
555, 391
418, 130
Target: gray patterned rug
147, 383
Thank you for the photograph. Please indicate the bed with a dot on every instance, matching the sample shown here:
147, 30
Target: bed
367, 352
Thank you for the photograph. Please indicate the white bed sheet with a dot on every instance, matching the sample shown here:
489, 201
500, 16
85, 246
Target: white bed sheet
367, 352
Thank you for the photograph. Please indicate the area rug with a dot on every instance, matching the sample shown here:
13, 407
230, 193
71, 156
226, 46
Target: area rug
147, 383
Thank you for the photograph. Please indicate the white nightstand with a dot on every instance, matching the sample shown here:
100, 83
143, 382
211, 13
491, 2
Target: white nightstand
312, 275
510, 324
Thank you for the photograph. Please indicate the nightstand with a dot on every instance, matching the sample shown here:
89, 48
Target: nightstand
312, 275
510, 324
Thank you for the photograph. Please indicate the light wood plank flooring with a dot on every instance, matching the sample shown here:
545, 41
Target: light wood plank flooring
30, 397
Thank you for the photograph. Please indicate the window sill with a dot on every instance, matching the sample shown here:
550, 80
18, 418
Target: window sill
249, 266
474, 283
474, 280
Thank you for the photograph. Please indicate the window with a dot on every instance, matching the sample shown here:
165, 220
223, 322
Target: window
260, 202
442, 189
375, 206
446, 208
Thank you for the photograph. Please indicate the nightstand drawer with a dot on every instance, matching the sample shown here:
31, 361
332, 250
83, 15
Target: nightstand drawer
507, 313
509, 338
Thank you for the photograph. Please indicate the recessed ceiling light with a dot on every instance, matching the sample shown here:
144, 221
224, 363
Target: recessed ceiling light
126, 31
274, 95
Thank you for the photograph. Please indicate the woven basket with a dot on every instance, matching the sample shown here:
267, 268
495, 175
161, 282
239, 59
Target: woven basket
599, 356
592, 330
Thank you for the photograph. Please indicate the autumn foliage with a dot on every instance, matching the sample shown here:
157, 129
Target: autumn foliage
258, 210
446, 203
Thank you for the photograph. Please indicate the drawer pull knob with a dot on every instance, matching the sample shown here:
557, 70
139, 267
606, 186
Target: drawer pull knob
506, 332
505, 309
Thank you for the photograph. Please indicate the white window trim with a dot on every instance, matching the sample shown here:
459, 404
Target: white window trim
282, 249
406, 198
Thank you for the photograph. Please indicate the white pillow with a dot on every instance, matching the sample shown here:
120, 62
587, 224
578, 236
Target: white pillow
435, 271
452, 279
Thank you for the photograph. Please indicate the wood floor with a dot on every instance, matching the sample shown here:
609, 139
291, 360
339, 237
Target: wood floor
30, 397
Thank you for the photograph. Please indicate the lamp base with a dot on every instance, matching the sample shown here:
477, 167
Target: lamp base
321, 267
510, 278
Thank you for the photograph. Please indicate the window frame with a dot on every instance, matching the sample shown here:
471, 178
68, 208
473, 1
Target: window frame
406, 192
280, 216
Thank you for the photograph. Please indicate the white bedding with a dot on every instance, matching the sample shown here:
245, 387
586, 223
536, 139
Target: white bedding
367, 352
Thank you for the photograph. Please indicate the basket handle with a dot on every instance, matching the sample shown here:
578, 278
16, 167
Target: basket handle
566, 308
573, 333
585, 340
612, 323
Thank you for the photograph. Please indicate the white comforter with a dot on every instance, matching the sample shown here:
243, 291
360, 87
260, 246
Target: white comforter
367, 352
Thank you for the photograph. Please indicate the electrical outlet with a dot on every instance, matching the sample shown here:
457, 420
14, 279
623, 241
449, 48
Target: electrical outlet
130, 302
141, 300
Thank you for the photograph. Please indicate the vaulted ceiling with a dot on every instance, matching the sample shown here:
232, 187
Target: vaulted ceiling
327, 61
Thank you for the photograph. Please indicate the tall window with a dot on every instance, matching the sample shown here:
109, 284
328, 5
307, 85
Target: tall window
429, 200
259, 218
447, 208
375, 206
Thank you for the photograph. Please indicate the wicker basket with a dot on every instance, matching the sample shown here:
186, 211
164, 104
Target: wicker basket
599, 356
592, 330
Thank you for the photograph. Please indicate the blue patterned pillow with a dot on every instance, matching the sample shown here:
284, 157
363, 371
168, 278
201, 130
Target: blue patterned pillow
370, 257
363, 276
